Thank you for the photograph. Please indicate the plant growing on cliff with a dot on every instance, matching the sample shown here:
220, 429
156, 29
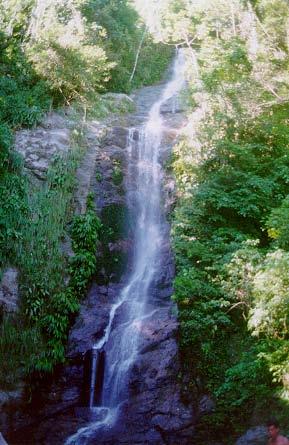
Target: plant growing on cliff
18, 343
84, 232
117, 174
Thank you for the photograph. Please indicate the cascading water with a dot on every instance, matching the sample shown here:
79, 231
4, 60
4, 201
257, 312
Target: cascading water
121, 339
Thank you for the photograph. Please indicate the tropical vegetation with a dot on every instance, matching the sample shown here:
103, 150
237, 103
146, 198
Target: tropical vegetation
231, 164
57, 54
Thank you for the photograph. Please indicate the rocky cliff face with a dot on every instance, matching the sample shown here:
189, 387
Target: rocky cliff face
40, 145
154, 413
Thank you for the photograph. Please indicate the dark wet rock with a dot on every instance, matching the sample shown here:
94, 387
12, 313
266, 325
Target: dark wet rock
9, 294
173, 105
254, 436
11, 408
154, 413
206, 405
117, 136
169, 193
2, 440
173, 124
66, 248
107, 192
92, 319
113, 152
151, 417
10, 397
159, 328
86, 171
144, 99
50, 412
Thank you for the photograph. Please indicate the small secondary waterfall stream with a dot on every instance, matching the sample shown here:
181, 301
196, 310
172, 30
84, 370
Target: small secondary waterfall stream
145, 201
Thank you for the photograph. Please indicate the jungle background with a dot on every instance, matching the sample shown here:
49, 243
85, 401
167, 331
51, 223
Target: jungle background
230, 221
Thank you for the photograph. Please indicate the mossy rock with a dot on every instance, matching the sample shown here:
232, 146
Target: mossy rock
115, 219
116, 222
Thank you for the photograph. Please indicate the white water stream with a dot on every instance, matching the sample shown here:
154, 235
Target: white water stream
145, 171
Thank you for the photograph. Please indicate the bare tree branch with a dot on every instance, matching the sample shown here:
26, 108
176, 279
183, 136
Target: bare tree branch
137, 55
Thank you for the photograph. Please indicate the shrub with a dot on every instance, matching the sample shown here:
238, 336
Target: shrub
72, 72
277, 224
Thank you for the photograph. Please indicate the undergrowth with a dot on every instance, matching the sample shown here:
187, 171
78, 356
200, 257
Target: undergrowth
47, 301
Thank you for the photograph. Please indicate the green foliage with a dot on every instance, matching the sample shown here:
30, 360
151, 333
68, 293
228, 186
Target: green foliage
98, 176
240, 382
5, 143
269, 312
84, 230
14, 204
246, 383
153, 61
115, 228
240, 273
117, 174
22, 106
117, 20
82, 267
275, 15
18, 344
222, 282
232, 176
70, 51
54, 318
277, 224
275, 353
23, 99
227, 63
35, 232
71, 72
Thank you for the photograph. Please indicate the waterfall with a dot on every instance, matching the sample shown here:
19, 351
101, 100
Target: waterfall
146, 205
144, 183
